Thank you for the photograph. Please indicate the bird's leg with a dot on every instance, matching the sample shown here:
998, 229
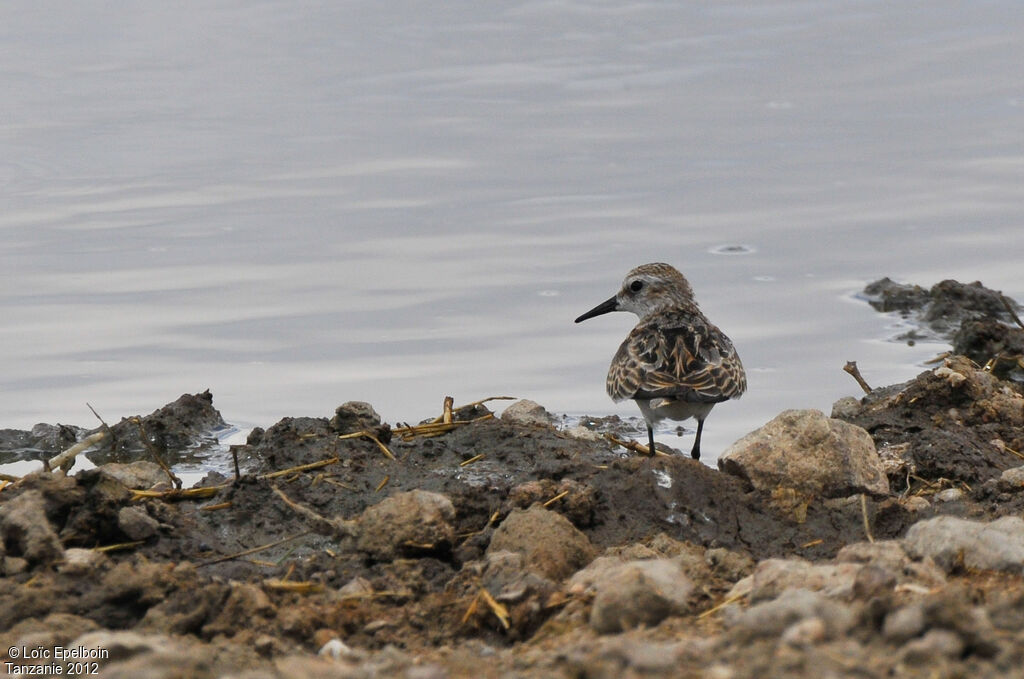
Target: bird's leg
695, 451
650, 440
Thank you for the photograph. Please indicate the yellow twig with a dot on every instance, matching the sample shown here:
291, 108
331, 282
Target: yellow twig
178, 494
298, 587
212, 508
475, 458
254, 550
302, 468
498, 608
365, 434
119, 546
714, 609
555, 498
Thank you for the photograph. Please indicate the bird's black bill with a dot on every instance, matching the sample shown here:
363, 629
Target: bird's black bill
602, 308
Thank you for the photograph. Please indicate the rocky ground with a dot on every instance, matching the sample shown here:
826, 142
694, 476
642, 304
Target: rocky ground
882, 540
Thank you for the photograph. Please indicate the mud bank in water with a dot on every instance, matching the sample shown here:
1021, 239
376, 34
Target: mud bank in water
507, 547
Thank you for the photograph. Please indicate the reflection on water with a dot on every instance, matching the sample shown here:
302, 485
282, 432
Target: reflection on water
295, 207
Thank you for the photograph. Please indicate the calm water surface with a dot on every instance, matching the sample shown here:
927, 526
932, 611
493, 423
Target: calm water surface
299, 204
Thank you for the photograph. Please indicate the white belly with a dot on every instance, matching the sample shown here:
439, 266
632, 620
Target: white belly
658, 409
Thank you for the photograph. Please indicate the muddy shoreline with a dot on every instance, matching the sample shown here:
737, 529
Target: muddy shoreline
507, 547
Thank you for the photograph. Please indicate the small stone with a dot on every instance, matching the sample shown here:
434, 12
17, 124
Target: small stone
904, 623
356, 587
355, 416
873, 581
581, 433
553, 547
78, 561
634, 593
772, 577
846, 408
807, 632
1012, 480
729, 565
135, 523
953, 543
772, 618
25, 528
949, 495
528, 412
936, 643
336, 649
915, 503
410, 523
140, 475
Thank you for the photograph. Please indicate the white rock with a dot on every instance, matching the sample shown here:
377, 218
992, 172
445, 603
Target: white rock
949, 495
772, 618
808, 452
1012, 480
633, 593
525, 411
997, 545
140, 475
774, 576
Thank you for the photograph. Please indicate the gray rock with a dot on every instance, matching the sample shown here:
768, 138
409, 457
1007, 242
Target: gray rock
78, 561
915, 503
772, 618
136, 523
56, 629
890, 556
810, 453
772, 577
846, 408
355, 416
633, 593
904, 623
140, 475
509, 579
727, 564
406, 523
807, 632
527, 412
631, 656
936, 643
121, 645
24, 526
1012, 480
952, 542
552, 546
949, 495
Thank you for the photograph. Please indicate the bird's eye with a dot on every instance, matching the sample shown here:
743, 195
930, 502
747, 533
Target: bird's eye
636, 286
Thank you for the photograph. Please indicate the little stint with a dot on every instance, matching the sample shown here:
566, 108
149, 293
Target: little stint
675, 363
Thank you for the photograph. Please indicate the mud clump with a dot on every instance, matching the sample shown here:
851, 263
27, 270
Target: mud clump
477, 546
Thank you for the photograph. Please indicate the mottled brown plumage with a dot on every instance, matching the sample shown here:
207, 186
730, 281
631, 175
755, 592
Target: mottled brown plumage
675, 363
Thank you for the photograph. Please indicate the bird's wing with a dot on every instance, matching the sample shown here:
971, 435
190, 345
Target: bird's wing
684, 357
